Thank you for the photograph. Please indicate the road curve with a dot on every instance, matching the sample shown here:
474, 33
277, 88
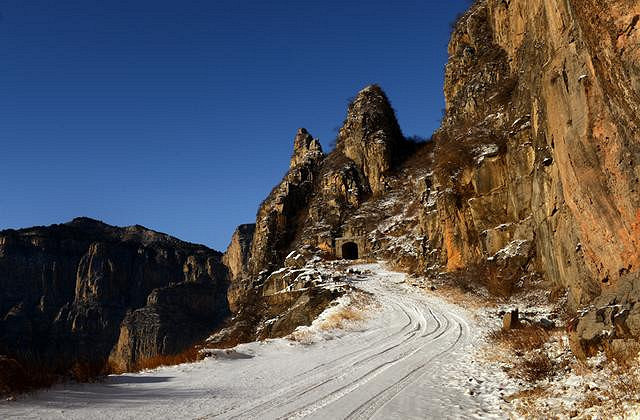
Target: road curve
409, 362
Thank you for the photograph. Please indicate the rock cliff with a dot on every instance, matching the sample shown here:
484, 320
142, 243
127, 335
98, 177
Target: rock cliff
86, 291
319, 192
278, 217
236, 258
534, 173
542, 105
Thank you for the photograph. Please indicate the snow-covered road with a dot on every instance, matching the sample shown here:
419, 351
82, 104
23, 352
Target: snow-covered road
410, 360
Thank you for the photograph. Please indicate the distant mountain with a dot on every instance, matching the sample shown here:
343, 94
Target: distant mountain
86, 291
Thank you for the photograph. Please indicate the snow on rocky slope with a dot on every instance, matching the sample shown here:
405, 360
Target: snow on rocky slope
412, 357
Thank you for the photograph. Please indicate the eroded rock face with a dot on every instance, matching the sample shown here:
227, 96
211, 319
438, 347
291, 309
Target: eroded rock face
317, 195
278, 217
306, 211
236, 257
540, 141
173, 316
371, 136
65, 291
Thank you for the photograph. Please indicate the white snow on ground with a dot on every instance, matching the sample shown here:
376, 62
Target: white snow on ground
411, 359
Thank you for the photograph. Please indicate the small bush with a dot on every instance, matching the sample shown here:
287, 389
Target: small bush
536, 367
339, 319
451, 155
421, 155
302, 336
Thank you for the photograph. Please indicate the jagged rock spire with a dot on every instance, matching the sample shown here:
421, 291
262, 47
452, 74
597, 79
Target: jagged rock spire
305, 148
371, 135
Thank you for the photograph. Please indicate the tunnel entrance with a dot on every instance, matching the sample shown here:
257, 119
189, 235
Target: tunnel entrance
350, 251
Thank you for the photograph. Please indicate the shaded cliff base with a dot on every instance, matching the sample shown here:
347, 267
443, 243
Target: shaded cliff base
281, 313
84, 299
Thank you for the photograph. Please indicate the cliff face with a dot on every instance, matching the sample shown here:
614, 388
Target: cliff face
550, 91
320, 192
533, 174
277, 219
236, 258
86, 291
304, 213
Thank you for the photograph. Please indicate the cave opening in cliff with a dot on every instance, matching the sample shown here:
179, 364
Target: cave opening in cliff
350, 251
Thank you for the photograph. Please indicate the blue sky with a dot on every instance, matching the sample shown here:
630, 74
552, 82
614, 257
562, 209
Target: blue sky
180, 115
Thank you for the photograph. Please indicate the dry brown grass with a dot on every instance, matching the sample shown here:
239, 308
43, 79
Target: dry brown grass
524, 339
338, 320
590, 400
607, 389
31, 373
523, 349
451, 155
626, 356
16, 377
535, 367
625, 385
302, 336
189, 355
335, 321
527, 401
356, 312
619, 396
535, 392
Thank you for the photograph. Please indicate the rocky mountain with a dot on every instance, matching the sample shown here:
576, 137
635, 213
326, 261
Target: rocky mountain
542, 113
533, 175
531, 181
86, 291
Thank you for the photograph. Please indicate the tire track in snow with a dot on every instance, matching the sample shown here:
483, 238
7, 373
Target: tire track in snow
362, 380
331, 362
350, 387
373, 404
347, 367
284, 394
